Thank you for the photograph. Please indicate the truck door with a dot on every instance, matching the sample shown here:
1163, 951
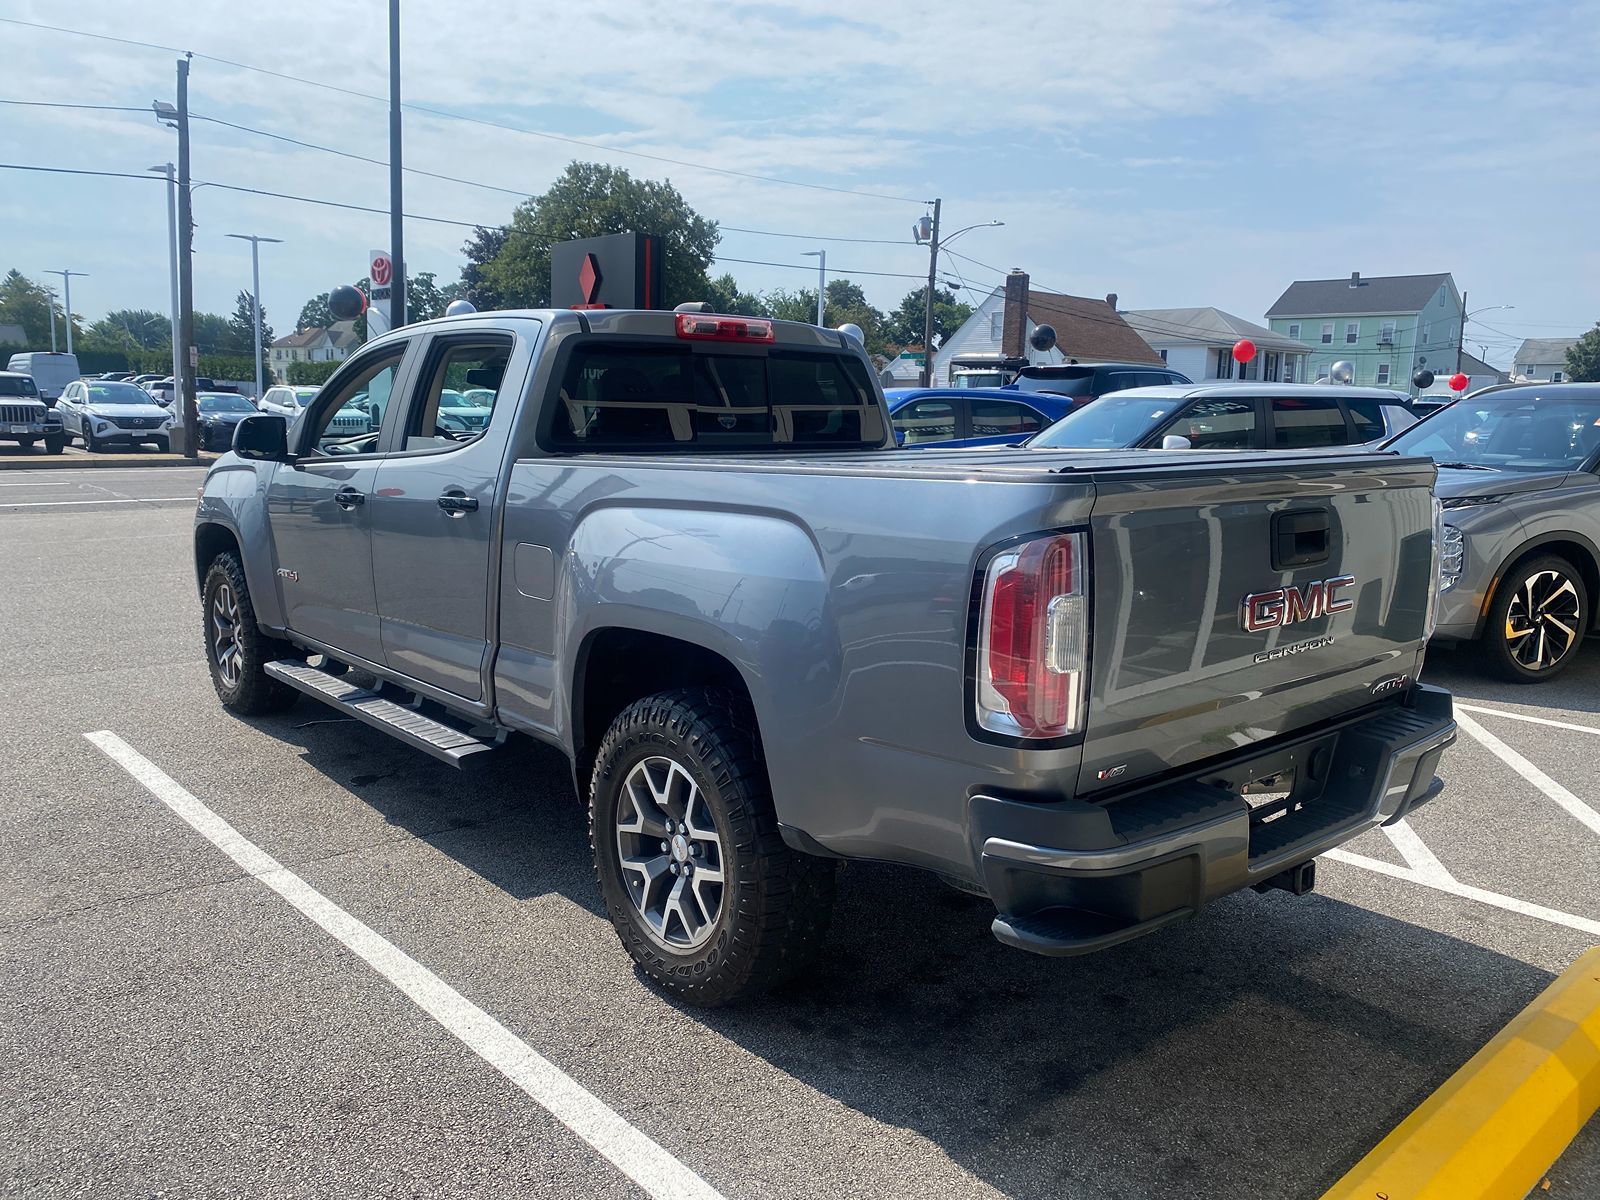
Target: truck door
319, 508
434, 512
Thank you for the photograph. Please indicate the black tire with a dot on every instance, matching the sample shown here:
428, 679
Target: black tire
89, 443
163, 446
55, 443
247, 688
773, 903
26, 442
1522, 649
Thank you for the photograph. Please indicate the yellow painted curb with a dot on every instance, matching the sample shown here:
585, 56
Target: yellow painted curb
1496, 1125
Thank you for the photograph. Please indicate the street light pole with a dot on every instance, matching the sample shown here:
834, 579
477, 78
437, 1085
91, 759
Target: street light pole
169, 170
66, 280
51, 296
397, 253
822, 279
927, 311
255, 241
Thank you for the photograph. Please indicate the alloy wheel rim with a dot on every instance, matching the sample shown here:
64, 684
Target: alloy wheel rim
670, 852
1543, 620
225, 647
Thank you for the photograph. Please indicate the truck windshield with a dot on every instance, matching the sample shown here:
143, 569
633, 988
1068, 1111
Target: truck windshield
1507, 433
1107, 423
17, 385
674, 397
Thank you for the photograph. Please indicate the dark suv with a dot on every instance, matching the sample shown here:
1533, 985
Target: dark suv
1084, 382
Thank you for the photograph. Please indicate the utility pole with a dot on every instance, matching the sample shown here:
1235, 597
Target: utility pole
255, 294
1461, 334
66, 281
927, 312
822, 280
169, 171
397, 253
189, 421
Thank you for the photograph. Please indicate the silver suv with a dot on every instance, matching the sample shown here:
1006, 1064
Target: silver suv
1520, 564
24, 416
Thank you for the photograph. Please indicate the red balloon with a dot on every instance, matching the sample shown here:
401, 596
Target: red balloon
1458, 383
1244, 350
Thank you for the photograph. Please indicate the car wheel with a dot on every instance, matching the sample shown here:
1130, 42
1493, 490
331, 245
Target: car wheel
237, 652
55, 443
26, 442
702, 890
163, 445
1536, 620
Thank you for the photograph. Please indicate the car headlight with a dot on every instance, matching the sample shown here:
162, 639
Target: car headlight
1455, 502
1452, 557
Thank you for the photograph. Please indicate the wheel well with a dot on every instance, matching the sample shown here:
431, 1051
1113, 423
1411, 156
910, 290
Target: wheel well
618, 666
210, 541
1579, 555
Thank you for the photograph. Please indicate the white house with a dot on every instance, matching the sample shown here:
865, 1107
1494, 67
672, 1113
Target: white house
1541, 360
332, 344
1199, 343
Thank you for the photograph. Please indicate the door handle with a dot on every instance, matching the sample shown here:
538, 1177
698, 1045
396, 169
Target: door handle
348, 498
458, 504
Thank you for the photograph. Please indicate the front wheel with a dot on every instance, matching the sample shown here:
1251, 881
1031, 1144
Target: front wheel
237, 652
55, 443
89, 443
163, 445
26, 442
1536, 621
696, 878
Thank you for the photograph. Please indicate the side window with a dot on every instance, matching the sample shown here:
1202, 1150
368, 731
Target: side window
1302, 422
459, 390
1116, 381
1218, 425
1367, 417
1001, 418
347, 421
926, 421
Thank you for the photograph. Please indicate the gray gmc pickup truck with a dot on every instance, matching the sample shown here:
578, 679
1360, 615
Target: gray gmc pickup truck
1099, 688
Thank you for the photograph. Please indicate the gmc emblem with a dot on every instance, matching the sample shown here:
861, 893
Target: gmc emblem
1291, 605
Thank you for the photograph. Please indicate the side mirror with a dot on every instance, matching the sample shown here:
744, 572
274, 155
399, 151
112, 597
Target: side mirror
263, 437
1175, 441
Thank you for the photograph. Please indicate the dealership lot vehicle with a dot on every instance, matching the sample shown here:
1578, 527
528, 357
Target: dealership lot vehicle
219, 412
105, 414
1232, 416
286, 400
1084, 382
614, 636
1521, 568
918, 1058
25, 418
962, 416
51, 371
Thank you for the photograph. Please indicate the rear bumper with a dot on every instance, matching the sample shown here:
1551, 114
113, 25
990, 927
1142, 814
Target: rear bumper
1076, 877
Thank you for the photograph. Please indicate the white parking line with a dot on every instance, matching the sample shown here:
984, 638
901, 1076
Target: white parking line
1417, 855
1531, 773
1511, 716
631, 1151
68, 503
1467, 891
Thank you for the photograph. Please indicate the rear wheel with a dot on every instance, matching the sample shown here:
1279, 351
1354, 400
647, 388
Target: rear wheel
236, 650
1536, 621
697, 880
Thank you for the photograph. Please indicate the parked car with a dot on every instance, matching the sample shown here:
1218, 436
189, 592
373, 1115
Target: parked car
1232, 416
1520, 569
286, 400
117, 376
145, 381
24, 416
951, 417
49, 370
103, 414
1088, 381
163, 389
684, 551
218, 413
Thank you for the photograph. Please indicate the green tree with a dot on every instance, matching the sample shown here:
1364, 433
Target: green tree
314, 314
424, 299
1583, 357
480, 250
30, 305
211, 333
847, 303
784, 305
141, 327
240, 338
591, 199
724, 296
905, 324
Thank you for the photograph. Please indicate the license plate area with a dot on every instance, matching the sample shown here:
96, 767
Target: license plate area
19, 429
1280, 784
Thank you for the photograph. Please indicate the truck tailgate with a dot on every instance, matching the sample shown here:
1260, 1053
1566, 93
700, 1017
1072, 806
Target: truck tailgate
1178, 674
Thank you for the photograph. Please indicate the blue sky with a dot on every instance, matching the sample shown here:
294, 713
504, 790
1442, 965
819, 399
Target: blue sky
1174, 153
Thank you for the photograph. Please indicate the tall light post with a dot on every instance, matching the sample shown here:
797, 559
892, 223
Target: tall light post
397, 251
822, 278
186, 428
66, 280
255, 241
927, 230
170, 172
1461, 334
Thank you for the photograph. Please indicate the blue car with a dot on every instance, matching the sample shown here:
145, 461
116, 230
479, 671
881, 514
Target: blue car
943, 417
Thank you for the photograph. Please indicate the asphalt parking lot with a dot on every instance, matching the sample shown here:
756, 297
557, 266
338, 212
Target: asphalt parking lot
178, 1026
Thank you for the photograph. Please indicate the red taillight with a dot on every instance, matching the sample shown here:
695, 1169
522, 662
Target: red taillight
1033, 639
708, 327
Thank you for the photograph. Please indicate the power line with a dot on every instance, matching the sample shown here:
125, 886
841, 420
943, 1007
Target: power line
815, 237
61, 104
76, 171
445, 114
838, 271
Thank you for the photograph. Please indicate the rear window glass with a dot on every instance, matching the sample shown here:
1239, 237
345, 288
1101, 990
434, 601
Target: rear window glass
998, 418
1367, 416
673, 397
17, 385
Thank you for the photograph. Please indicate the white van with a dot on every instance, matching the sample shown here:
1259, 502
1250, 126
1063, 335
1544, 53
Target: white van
51, 372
